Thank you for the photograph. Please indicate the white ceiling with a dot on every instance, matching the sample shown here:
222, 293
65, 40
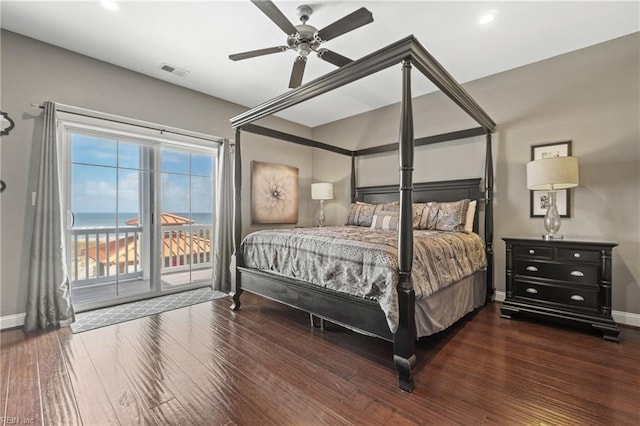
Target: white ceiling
199, 36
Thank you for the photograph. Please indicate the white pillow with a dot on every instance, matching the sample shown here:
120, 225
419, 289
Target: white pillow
471, 213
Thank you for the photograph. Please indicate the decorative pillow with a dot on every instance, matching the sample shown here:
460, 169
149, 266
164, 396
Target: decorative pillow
471, 213
390, 207
428, 216
452, 216
386, 220
417, 209
361, 214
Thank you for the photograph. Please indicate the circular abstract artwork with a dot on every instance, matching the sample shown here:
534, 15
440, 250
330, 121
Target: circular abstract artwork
274, 193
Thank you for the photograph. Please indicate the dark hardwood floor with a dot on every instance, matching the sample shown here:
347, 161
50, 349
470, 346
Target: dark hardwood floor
265, 365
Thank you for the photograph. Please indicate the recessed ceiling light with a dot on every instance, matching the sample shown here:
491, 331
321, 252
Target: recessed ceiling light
110, 5
488, 17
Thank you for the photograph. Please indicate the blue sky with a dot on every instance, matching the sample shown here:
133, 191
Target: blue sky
99, 166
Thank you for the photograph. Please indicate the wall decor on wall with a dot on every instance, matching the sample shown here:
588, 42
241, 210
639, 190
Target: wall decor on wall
274, 193
539, 200
6, 124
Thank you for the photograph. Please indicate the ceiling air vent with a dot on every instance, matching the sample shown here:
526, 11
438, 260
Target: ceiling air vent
174, 70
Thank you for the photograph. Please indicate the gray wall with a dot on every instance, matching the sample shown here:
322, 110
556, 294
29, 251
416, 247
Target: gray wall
590, 96
32, 71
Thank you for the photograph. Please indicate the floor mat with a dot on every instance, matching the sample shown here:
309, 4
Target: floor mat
115, 314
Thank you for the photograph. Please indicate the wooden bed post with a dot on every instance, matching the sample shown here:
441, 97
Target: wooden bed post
354, 191
488, 217
404, 339
236, 258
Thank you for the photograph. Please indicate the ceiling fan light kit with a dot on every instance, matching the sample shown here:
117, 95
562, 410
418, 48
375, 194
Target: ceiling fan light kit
304, 38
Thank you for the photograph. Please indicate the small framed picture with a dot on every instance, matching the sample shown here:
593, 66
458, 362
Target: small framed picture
539, 200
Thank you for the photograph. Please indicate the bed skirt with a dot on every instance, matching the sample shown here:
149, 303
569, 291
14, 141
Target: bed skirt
444, 307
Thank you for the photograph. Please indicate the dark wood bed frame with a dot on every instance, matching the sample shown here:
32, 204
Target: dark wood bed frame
358, 313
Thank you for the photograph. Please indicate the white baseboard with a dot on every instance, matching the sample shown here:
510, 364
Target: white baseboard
621, 317
626, 318
10, 321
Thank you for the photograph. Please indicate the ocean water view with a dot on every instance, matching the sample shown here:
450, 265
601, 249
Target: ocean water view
109, 220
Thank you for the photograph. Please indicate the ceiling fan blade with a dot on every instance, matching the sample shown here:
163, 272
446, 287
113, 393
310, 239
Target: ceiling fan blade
259, 52
271, 10
343, 25
333, 57
297, 72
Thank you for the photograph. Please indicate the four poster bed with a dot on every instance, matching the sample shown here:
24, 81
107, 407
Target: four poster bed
329, 294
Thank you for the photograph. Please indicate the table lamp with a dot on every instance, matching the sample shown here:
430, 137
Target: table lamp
551, 174
321, 191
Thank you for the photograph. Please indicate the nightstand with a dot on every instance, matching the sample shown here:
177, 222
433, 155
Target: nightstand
561, 280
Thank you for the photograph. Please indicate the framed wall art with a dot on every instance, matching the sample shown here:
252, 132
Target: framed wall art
274, 193
539, 200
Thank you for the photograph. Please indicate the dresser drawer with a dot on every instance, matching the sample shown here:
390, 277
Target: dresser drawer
576, 273
584, 298
534, 251
573, 255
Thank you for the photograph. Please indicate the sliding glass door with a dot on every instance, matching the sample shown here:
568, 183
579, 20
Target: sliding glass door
186, 203
109, 254
140, 217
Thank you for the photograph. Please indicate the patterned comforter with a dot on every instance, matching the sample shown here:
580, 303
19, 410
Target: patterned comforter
363, 262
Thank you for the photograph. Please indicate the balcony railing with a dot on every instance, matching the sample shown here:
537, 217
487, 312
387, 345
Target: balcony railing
182, 250
104, 254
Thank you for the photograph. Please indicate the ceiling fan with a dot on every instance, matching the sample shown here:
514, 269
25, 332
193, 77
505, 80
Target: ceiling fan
304, 38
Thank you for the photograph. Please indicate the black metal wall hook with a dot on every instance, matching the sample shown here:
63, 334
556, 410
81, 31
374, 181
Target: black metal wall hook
5, 130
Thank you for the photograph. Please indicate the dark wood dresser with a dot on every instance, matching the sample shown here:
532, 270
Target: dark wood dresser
561, 280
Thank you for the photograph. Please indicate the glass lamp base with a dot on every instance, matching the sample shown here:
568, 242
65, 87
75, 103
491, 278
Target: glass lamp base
552, 219
321, 217
548, 237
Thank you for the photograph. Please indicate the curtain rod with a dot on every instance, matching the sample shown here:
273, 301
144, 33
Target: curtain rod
162, 131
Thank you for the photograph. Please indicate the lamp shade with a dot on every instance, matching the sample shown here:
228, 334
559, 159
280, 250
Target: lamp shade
549, 174
322, 191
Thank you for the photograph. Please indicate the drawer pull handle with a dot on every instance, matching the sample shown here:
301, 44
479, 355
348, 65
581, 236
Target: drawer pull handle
577, 298
532, 251
532, 290
534, 269
576, 255
577, 274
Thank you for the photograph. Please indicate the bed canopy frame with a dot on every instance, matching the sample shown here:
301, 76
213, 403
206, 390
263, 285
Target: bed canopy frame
410, 53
